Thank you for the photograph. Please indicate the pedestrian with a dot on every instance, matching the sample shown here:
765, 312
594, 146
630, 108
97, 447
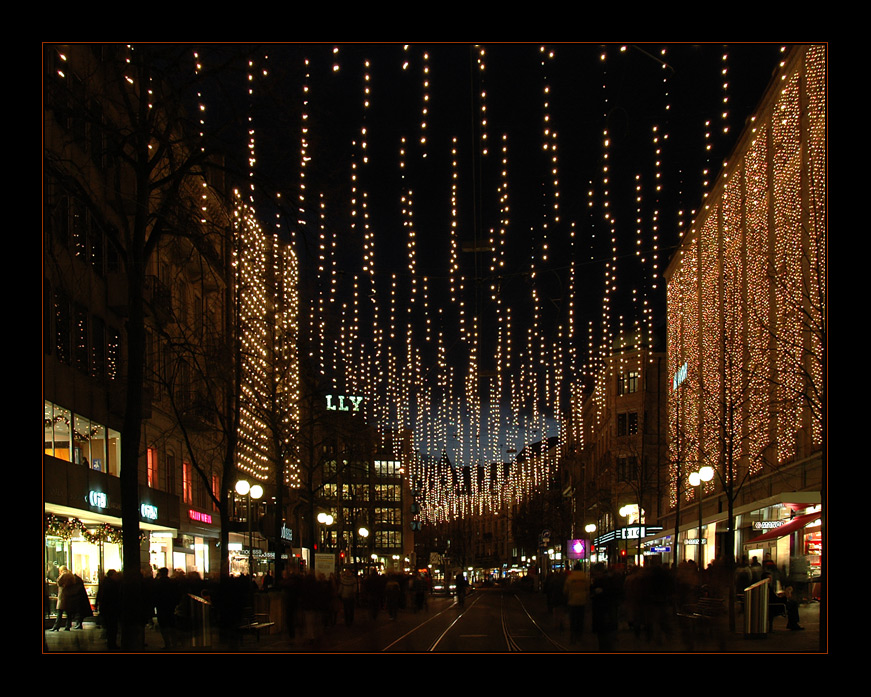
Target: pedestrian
108, 603
460, 584
605, 600
167, 595
393, 591
67, 600
577, 591
418, 588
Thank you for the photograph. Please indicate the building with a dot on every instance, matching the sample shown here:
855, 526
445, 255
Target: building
747, 340
352, 500
617, 473
92, 302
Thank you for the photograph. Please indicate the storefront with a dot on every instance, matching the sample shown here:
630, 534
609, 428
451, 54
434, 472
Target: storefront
786, 527
87, 544
789, 537
197, 547
82, 525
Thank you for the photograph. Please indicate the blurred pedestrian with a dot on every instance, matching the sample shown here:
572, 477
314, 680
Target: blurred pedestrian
605, 602
68, 600
348, 594
108, 602
576, 588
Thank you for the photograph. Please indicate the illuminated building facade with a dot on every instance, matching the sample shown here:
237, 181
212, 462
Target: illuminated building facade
747, 334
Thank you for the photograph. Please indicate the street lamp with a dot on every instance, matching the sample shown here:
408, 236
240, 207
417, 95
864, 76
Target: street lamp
363, 532
589, 528
326, 520
697, 479
249, 491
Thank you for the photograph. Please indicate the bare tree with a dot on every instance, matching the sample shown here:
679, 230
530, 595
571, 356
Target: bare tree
127, 104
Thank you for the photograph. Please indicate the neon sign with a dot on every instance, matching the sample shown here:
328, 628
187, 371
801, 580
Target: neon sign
353, 403
147, 511
98, 499
199, 517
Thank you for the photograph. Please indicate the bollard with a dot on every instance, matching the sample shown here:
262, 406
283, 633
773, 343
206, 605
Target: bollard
756, 610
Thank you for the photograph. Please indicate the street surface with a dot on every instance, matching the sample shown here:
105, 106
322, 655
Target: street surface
490, 621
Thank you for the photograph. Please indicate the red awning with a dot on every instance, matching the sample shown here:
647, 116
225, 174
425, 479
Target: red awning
796, 523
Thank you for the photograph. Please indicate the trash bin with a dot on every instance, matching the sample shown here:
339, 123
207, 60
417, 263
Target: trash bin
756, 610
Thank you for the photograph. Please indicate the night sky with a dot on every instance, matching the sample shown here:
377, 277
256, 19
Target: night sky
594, 264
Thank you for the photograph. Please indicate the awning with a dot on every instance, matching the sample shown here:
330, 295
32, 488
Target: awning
796, 523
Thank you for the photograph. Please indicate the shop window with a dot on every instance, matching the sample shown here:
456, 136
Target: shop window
57, 432
75, 438
113, 452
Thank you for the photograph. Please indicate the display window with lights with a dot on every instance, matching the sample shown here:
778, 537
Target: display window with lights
76, 438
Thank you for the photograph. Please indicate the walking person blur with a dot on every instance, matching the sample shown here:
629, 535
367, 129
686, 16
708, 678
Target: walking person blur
393, 591
167, 595
109, 606
605, 600
67, 600
460, 584
577, 591
348, 594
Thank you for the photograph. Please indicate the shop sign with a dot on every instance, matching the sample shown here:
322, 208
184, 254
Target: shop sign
148, 511
767, 524
286, 533
199, 517
660, 549
352, 403
98, 499
695, 541
633, 532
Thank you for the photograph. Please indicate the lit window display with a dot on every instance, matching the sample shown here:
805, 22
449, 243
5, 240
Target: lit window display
75, 438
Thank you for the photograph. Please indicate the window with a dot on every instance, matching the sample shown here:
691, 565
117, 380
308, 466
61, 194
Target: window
216, 490
388, 492
627, 383
98, 347
169, 466
387, 468
388, 516
62, 327
151, 463
187, 482
74, 438
627, 469
388, 539
113, 353
627, 423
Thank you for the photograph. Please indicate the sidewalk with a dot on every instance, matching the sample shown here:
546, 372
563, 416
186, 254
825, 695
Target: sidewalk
335, 638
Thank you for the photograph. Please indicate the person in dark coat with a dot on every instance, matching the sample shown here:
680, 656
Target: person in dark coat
109, 606
167, 594
605, 602
68, 600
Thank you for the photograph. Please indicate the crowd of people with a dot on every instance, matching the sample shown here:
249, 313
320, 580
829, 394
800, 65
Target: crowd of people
651, 598
647, 598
